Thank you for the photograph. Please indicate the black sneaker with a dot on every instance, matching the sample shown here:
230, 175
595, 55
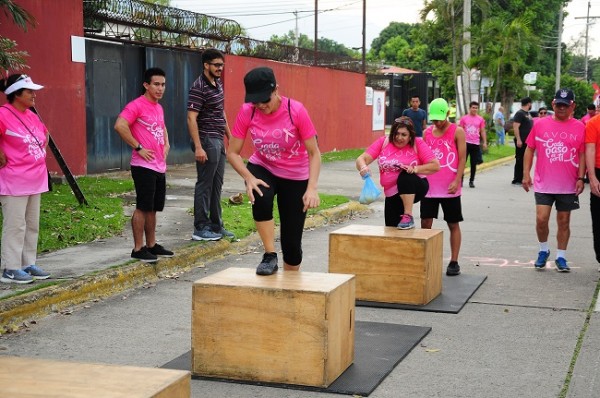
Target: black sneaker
453, 269
471, 184
158, 250
144, 255
268, 265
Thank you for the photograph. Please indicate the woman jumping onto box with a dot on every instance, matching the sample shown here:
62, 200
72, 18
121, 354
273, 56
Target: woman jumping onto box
403, 161
286, 162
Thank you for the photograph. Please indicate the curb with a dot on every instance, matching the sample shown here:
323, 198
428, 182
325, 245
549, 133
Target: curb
16, 311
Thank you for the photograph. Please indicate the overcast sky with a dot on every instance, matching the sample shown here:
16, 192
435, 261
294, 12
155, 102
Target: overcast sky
341, 20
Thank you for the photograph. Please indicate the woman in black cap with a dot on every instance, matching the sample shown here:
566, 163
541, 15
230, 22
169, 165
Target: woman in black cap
23, 177
286, 163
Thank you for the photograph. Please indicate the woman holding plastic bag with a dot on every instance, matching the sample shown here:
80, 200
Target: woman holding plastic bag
403, 160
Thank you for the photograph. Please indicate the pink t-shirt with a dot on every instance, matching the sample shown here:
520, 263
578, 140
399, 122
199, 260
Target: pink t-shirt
25, 172
278, 138
445, 150
474, 126
391, 158
557, 146
147, 124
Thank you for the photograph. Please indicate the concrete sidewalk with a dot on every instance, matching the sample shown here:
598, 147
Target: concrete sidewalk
516, 337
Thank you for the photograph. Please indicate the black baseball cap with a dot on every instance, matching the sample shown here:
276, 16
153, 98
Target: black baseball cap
259, 83
564, 96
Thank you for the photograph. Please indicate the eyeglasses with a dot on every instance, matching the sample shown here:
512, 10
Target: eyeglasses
404, 120
216, 64
543, 112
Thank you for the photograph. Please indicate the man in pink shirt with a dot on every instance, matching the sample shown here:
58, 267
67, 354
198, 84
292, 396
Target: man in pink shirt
474, 127
558, 142
142, 126
591, 112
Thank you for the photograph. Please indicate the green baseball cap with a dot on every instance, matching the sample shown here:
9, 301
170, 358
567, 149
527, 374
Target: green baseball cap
438, 109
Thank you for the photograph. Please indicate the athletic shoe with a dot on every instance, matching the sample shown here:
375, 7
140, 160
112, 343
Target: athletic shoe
15, 276
36, 272
561, 265
268, 265
406, 222
144, 255
205, 234
226, 234
540, 263
515, 182
471, 184
453, 269
159, 250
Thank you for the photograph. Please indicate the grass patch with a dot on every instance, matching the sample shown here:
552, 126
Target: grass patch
64, 223
347, 154
498, 152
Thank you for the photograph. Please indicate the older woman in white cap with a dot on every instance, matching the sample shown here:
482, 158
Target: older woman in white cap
286, 163
23, 178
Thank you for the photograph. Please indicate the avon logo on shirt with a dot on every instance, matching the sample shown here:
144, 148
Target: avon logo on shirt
155, 128
33, 148
555, 148
273, 144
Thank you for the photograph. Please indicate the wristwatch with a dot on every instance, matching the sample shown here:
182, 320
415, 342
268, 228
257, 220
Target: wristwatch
581, 179
139, 147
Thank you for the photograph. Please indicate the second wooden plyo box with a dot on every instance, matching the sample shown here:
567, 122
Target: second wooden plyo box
391, 265
290, 327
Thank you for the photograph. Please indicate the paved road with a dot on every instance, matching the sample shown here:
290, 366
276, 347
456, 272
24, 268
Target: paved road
516, 337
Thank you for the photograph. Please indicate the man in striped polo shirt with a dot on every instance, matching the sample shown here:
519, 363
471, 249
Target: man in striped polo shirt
208, 126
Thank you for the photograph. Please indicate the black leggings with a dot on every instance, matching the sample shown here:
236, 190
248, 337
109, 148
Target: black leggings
407, 184
291, 210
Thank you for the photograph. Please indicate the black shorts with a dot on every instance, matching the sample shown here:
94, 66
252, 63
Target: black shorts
562, 202
150, 189
451, 206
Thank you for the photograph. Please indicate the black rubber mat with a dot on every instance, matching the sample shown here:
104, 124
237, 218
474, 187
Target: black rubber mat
456, 291
378, 348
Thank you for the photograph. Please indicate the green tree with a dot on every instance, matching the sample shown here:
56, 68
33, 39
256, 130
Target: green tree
324, 44
10, 58
584, 93
394, 29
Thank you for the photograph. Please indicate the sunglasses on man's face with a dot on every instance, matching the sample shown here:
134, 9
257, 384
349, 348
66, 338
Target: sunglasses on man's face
543, 113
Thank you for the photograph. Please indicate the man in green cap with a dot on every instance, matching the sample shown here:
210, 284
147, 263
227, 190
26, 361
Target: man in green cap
447, 141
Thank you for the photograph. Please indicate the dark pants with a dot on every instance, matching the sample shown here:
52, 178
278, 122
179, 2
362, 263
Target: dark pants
474, 154
407, 184
207, 193
519, 155
290, 206
595, 209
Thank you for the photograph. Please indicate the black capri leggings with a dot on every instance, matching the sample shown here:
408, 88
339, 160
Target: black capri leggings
291, 215
407, 184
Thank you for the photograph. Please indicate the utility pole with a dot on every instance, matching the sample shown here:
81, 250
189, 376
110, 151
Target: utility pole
364, 38
587, 28
587, 37
466, 54
296, 40
559, 49
316, 31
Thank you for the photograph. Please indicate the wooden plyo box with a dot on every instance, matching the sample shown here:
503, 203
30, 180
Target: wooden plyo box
391, 265
25, 377
290, 327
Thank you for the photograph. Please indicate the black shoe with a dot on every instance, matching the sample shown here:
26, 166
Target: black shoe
453, 269
268, 265
144, 255
471, 184
159, 250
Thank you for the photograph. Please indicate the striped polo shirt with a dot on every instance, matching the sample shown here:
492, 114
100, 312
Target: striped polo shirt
208, 101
